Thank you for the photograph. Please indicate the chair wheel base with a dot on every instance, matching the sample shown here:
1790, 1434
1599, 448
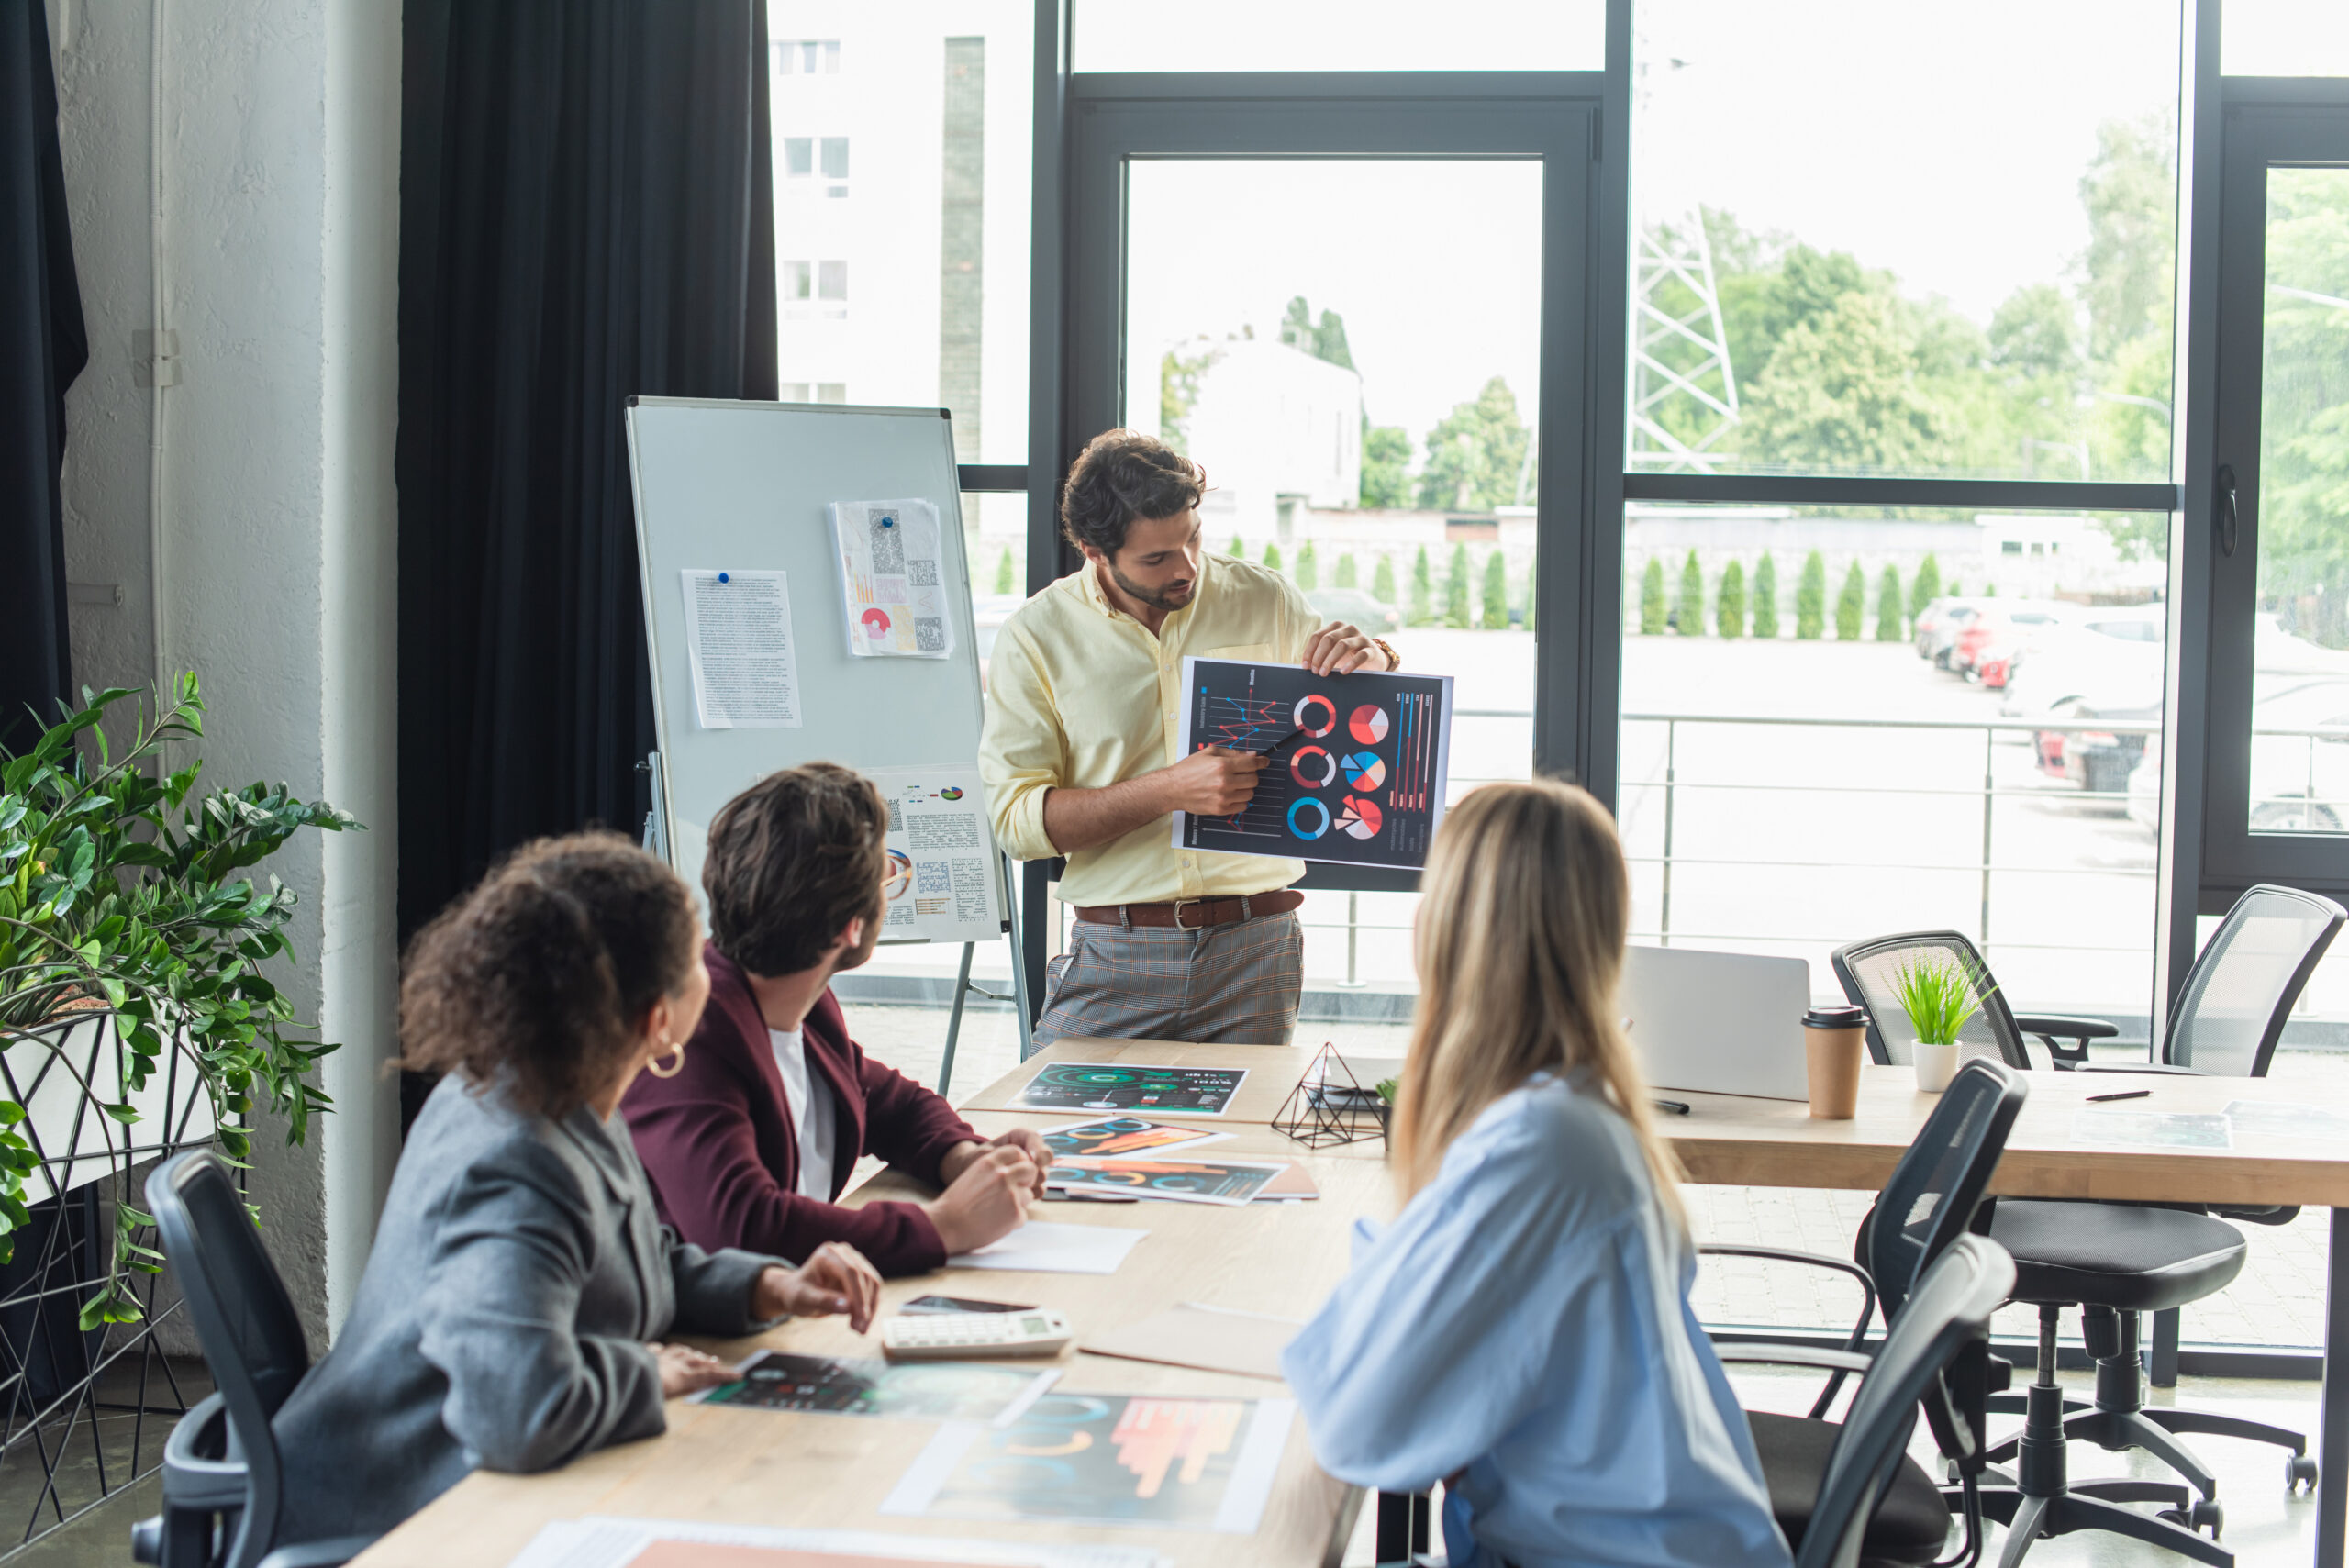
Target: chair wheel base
2299, 1471
2204, 1514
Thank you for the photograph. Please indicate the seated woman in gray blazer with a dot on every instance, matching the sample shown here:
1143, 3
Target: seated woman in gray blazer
512, 1313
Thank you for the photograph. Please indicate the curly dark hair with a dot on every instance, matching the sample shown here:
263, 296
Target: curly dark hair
541, 977
1122, 476
792, 860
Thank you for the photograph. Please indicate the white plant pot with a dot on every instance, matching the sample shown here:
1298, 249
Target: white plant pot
79, 1142
1935, 1065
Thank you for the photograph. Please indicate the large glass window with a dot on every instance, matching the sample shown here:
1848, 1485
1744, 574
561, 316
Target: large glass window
1362, 35
1849, 264
2284, 38
936, 100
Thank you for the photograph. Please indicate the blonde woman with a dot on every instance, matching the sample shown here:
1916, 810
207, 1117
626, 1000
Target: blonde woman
1522, 1330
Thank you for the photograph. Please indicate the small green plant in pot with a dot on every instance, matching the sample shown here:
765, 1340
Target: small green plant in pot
126, 905
1940, 993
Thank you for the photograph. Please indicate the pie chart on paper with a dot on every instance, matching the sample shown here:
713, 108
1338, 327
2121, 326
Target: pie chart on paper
1364, 771
1368, 725
1359, 817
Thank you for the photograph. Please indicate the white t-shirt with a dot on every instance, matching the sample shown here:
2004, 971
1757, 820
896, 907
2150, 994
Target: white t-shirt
812, 1111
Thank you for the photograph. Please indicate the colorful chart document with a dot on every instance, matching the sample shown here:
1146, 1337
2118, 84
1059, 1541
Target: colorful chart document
1119, 1087
936, 1391
1107, 1459
942, 882
1228, 1182
1358, 766
891, 579
1117, 1135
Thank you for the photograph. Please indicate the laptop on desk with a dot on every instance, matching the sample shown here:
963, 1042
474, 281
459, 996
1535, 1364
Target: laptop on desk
1718, 1023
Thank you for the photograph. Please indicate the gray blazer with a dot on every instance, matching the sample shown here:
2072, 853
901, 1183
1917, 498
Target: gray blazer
517, 1270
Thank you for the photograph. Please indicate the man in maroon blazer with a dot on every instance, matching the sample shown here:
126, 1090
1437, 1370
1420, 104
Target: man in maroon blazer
753, 1136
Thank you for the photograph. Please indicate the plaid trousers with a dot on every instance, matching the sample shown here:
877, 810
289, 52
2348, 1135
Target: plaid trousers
1235, 984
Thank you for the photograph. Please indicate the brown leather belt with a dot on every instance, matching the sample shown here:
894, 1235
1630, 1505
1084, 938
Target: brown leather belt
1191, 914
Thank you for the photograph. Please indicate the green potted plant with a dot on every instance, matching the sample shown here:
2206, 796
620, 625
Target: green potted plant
1940, 993
132, 941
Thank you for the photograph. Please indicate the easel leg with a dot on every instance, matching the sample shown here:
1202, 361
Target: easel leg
1019, 964
955, 1019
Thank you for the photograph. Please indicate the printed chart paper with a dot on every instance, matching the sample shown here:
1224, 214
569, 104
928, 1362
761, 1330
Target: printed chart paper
603, 1541
1115, 1086
1359, 763
1228, 1182
891, 579
737, 641
1116, 1135
935, 1391
942, 883
1044, 1247
1107, 1459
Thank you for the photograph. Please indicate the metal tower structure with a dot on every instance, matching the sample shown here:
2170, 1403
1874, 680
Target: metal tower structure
1680, 359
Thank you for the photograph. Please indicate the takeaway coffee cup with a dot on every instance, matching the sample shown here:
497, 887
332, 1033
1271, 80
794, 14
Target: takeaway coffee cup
1834, 1041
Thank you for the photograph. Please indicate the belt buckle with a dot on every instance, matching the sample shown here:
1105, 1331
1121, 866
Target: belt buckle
1179, 913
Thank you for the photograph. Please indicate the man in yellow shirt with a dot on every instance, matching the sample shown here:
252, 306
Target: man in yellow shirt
1082, 758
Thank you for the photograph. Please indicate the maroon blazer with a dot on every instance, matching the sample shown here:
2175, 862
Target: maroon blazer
723, 1153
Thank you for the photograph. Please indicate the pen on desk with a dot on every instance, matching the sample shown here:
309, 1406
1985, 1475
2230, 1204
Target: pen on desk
2121, 1094
1677, 1107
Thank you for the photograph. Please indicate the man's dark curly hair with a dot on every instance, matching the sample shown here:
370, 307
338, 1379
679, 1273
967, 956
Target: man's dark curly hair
1122, 475
539, 979
792, 860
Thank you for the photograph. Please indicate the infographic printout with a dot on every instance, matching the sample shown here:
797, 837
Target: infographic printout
1229, 1183
738, 643
943, 881
893, 571
1358, 763
1117, 1135
1119, 1087
1108, 1459
937, 1390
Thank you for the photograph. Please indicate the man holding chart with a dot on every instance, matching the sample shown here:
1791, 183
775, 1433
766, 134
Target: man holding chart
1082, 758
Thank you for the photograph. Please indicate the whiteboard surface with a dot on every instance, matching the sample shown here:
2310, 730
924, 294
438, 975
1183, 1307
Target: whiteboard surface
727, 487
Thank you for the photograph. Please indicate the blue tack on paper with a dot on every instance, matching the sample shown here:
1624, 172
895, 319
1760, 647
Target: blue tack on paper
726, 577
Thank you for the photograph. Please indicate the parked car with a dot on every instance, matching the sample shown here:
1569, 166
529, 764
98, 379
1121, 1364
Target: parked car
2100, 761
2108, 658
1355, 608
1938, 625
2299, 759
1994, 641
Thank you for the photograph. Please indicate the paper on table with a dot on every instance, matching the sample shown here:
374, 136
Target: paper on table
1214, 1338
737, 641
2151, 1130
892, 577
941, 882
606, 1542
1045, 1248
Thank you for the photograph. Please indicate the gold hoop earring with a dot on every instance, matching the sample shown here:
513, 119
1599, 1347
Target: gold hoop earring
675, 1067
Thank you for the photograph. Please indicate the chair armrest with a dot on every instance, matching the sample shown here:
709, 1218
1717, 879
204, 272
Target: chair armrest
1841, 1266
1775, 1354
2067, 1027
193, 1479
2161, 1067
331, 1552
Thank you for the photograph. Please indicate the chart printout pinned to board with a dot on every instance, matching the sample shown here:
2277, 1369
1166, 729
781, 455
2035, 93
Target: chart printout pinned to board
942, 881
891, 569
1358, 765
738, 639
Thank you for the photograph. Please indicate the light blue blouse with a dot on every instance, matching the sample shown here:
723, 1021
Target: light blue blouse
1526, 1318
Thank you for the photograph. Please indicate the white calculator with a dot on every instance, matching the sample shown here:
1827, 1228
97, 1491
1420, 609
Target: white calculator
967, 1336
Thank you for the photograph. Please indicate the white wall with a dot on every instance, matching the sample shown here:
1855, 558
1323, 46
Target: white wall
279, 249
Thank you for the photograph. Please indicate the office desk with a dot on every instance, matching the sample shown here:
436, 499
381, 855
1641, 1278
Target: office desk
832, 1472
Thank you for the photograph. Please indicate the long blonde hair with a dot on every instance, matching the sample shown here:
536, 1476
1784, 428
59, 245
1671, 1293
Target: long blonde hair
1524, 905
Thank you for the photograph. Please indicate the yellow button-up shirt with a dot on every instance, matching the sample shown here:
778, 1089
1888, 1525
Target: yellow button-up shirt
1080, 695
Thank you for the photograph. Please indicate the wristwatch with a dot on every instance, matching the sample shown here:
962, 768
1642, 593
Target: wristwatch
1394, 660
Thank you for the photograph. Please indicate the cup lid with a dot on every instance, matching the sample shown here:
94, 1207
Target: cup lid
1835, 1018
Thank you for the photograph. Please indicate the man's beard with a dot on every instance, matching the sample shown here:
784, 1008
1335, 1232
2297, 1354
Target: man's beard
1155, 598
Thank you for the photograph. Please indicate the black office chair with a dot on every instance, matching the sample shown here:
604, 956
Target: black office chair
1942, 1333
223, 1483
1935, 1193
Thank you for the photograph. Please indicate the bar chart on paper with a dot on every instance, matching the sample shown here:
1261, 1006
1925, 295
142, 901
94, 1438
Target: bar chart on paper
1357, 763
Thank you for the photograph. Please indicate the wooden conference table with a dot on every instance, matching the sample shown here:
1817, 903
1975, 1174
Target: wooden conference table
810, 1470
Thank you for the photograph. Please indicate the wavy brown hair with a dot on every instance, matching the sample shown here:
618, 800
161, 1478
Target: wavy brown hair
1523, 911
791, 861
540, 978
1123, 477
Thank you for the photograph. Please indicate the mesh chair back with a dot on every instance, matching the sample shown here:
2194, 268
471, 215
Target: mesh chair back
1947, 1313
2232, 1008
252, 1340
1931, 1199
1865, 970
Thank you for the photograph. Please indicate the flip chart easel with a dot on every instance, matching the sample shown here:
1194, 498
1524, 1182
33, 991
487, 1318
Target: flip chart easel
744, 487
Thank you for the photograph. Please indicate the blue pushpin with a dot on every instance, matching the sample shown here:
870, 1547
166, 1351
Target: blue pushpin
725, 577
888, 521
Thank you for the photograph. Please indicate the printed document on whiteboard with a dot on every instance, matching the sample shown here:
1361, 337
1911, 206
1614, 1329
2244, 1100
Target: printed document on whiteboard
942, 881
738, 639
893, 571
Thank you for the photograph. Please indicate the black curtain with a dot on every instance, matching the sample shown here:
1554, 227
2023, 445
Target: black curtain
43, 347
586, 213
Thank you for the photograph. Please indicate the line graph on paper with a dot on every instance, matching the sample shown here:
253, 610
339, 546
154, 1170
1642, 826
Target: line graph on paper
1355, 769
